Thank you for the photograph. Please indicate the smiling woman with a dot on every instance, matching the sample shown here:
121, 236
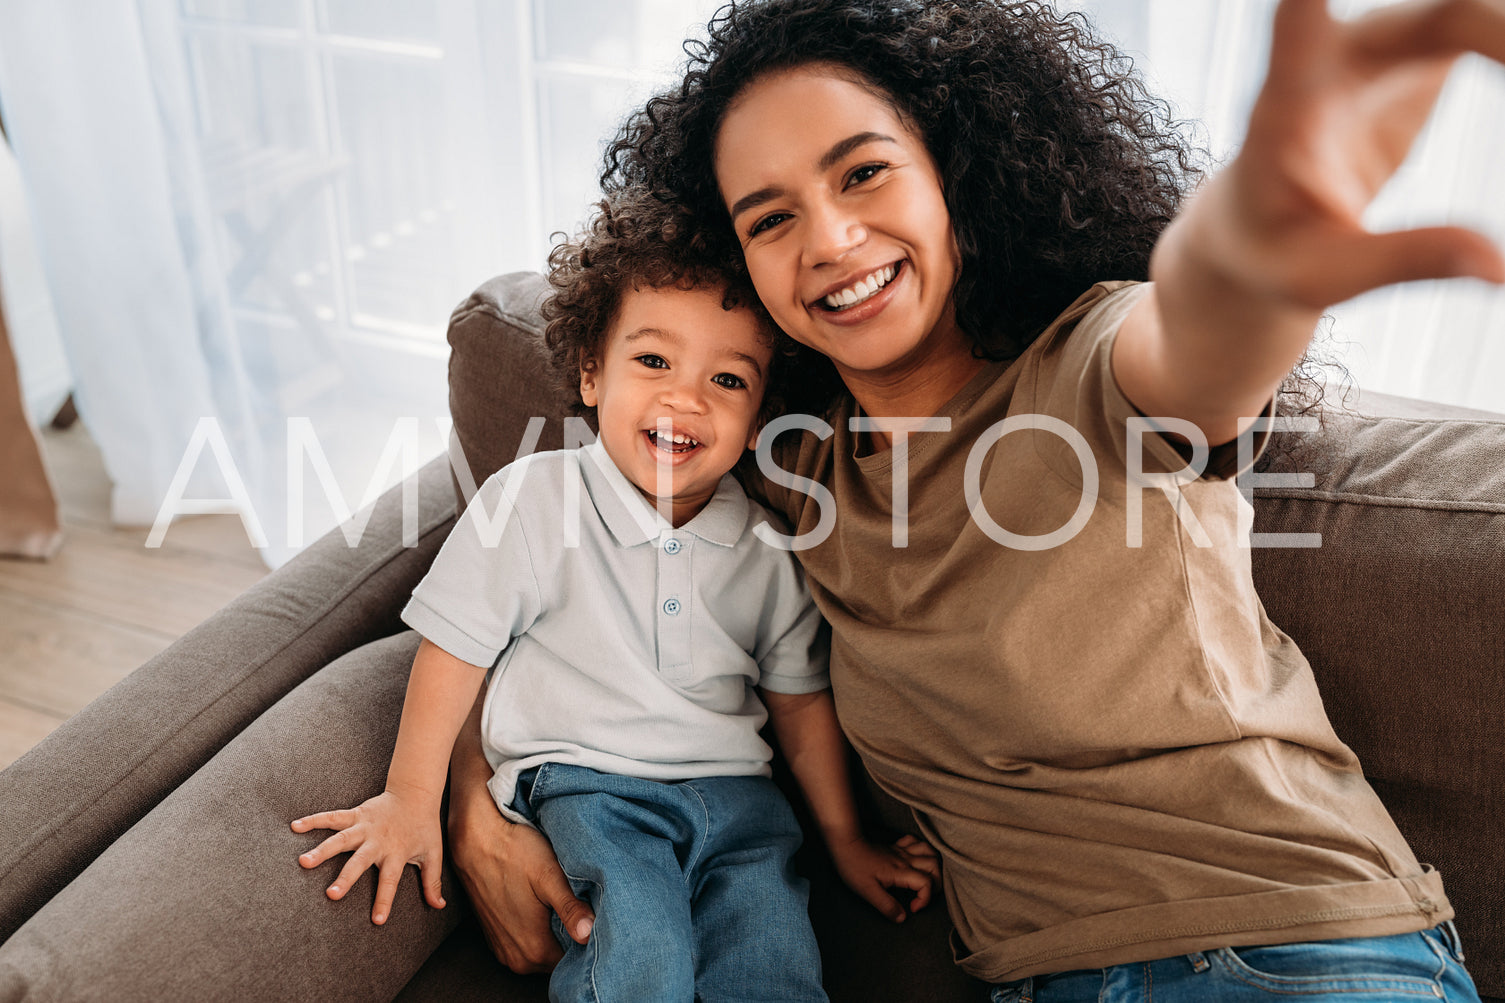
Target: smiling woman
838, 207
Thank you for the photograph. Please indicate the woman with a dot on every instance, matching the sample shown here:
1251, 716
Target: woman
1125, 766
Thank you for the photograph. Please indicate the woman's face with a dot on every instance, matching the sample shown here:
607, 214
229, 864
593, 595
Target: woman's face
839, 209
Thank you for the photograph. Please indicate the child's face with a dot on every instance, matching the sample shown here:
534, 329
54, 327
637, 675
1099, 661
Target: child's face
674, 359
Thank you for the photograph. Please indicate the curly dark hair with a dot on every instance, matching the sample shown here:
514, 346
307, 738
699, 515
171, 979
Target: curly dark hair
1058, 167
635, 241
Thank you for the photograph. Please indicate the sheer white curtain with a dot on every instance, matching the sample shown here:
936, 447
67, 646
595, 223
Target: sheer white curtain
1442, 341
261, 212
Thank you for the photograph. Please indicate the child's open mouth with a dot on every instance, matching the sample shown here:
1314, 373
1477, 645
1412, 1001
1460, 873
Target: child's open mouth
675, 443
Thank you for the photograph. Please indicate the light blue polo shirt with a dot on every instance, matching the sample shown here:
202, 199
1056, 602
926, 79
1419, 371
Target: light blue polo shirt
618, 642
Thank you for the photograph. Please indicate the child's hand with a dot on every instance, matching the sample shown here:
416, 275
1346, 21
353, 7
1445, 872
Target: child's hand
871, 870
385, 832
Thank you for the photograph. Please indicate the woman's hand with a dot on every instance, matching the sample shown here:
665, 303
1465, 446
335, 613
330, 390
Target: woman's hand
1338, 114
1245, 271
515, 884
385, 832
508, 870
872, 871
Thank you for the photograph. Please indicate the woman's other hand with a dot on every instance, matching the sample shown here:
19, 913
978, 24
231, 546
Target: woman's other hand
873, 871
508, 870
515, 884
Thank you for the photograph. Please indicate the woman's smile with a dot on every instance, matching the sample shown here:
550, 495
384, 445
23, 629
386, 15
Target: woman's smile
839, 208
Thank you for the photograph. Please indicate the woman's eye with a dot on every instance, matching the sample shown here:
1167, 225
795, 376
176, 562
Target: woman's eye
653, 361
771, 220
729, 381
864, 173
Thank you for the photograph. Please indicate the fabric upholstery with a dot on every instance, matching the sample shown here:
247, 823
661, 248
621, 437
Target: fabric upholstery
1401, 612
325, 745
69, 798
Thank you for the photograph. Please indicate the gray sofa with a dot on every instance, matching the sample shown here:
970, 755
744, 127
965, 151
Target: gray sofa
144, 846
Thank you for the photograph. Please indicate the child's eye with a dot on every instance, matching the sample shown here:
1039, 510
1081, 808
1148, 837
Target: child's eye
863, 173
767, 222
729, 381
653, 361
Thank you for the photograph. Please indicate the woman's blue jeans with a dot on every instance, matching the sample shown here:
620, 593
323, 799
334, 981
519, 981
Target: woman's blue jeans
1410, 966
692, 884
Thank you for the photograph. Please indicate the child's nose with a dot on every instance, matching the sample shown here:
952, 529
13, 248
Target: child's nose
684, 395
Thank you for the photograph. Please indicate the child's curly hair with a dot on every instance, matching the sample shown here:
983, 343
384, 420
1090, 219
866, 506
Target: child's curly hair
1058, 167
635, 241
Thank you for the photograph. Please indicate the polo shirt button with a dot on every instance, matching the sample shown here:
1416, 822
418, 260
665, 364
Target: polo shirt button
672, 546
671, 606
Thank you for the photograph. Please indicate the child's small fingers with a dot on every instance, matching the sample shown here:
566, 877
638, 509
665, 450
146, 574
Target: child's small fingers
389, 873
913, 847
912, 879
344, 818
359, 861
884, 902
331, 847
921, 898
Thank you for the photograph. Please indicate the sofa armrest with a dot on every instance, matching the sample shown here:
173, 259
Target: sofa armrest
68, 799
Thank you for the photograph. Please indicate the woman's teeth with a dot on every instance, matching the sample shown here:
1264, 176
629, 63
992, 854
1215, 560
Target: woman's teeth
676, 443
864, 289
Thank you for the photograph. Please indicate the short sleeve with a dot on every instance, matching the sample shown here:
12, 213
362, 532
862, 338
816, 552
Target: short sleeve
794, 651
1073, 381
482, 589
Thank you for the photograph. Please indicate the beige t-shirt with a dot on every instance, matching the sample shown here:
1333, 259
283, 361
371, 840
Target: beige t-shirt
1117, 754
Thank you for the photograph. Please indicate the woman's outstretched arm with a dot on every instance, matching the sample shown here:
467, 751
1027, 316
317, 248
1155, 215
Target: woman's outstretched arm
508, 870
1246, 270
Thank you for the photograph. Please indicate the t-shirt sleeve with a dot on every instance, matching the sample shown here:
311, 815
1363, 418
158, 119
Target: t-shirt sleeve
1074, 382
794, 646
482, 589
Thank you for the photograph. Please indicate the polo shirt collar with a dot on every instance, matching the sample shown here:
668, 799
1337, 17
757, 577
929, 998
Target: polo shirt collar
633, 521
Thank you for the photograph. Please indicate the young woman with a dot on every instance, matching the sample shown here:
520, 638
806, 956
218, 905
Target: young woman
1125, 766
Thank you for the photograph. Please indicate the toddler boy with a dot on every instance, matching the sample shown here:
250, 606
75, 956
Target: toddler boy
627, 610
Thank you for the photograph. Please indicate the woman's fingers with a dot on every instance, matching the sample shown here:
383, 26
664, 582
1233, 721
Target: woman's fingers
1439, 252
1433, 28
554, 891
1343, 266
430, 873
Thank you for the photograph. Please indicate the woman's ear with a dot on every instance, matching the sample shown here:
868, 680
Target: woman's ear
588, 382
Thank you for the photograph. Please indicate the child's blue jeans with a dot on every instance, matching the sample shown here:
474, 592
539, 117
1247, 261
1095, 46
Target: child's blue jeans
692, 884
1409, 966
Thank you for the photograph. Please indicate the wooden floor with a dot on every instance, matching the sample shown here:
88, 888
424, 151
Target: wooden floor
73, 626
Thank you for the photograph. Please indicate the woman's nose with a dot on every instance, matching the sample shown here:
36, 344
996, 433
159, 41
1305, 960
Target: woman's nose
831, 233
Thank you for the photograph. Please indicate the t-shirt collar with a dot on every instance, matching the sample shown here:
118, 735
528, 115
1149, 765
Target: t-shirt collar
633, 521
